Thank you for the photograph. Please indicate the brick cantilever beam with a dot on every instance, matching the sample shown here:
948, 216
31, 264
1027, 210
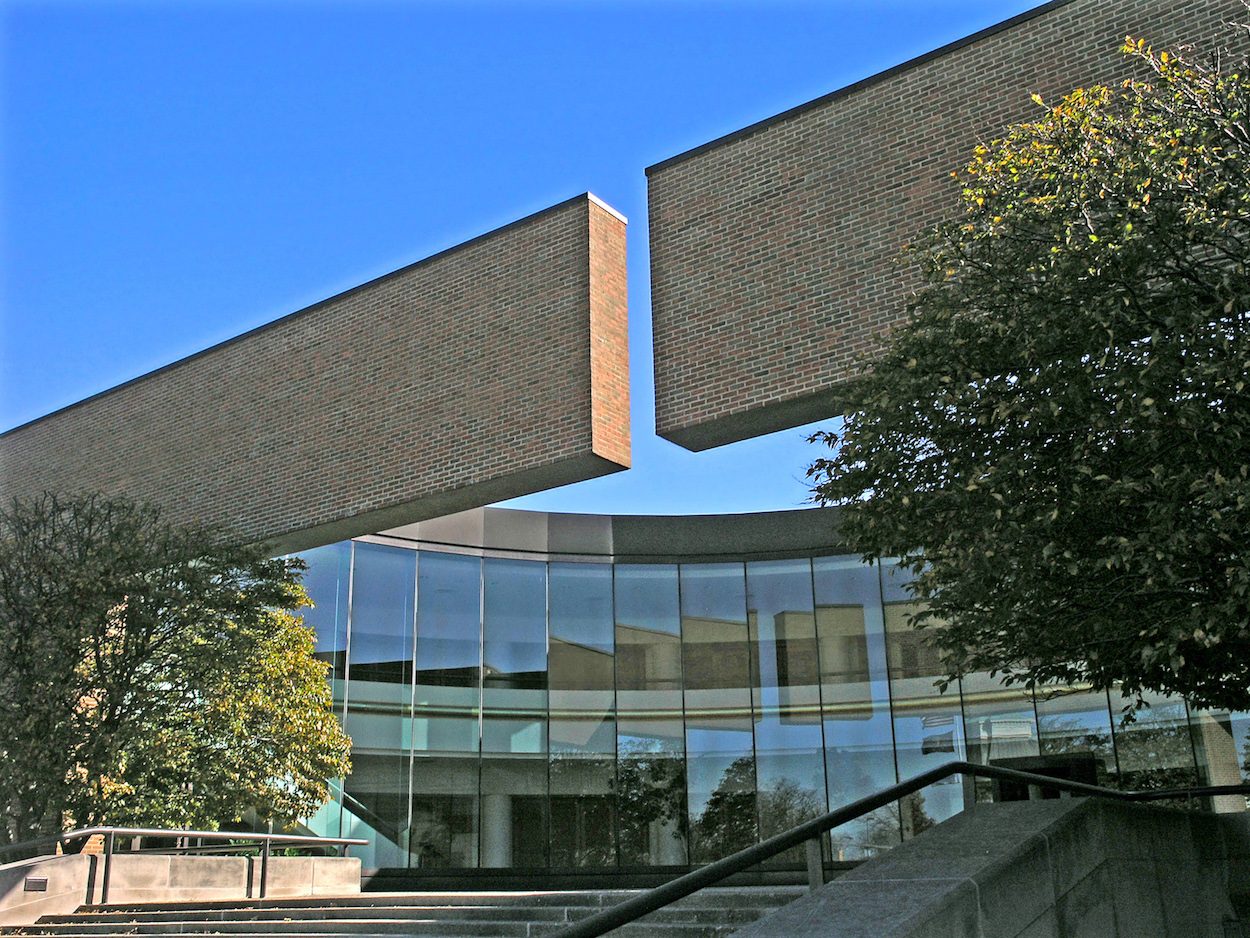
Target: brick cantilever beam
494, 369
772, 249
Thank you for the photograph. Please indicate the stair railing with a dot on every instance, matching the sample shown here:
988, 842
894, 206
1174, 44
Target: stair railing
110, 834
811, 832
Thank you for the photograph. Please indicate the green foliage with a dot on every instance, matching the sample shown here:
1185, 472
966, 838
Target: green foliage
152, 674
1057, 440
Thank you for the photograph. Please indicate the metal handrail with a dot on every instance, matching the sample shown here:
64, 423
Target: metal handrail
810, 832
111, 834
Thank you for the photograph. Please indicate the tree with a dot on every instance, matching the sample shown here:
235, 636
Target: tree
152, 674
1057, 438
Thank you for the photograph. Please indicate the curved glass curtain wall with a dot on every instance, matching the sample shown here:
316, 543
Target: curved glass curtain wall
520, 712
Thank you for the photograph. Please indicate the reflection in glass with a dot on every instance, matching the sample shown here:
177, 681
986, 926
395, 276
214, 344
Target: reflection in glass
717, 667
514, 656
514, 811
327, 582
379, 709
383, 614
581, 668
1222, 746
855, 700
514, 713
999, 721
583, 811
1074, 719
444, 828
375, 806
445, 712
928, 723
650, 780
585, 715
789, 750
449, 623
582, 731
449, 619
1155, 749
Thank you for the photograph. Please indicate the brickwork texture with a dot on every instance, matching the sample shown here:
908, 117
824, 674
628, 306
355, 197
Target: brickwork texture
494, 369
773, 249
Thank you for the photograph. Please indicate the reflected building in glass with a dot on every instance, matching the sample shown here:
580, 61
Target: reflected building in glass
568, 692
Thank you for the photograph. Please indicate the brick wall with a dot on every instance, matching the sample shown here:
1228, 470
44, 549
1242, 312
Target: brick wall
493, 369
772, 249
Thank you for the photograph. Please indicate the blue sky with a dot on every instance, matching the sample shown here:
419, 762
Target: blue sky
174, 173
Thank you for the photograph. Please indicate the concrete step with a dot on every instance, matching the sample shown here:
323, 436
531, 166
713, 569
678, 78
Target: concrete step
770, 896
558, 914
713, 913
430, 929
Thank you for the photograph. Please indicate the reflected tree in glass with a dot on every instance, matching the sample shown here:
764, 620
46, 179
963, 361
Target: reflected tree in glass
727, 822
582, 733
1155, 748
719, 680
789, 745
650, 784
1073, 719
855, 701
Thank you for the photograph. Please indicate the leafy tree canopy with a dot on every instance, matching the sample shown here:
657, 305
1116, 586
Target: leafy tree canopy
152, 674
1057, 439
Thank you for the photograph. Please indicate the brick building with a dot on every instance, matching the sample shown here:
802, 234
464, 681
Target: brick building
618, 694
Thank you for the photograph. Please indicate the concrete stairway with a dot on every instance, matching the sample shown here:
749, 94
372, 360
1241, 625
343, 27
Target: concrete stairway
710, 914
1068, 868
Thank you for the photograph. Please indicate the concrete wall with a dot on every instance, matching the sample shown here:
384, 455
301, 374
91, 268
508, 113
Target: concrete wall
1067, 868
772, 249
493, 369
73, 881
68, 879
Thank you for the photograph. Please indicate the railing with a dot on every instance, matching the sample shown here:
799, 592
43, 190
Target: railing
110, 834
811, 832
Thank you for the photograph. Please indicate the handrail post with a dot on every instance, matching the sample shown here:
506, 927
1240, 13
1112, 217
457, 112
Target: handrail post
969, 783
108, 867
815, 865
264, 867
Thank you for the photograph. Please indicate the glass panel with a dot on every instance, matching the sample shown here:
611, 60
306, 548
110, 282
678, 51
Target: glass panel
720, 759
581, 661
651, 770
1155, 750
1222, 741
1073, 720
581, 615
375, 806
444, 812
855, 700
583, 811
514, 657
581, 672
928, 724
383, 615
789, 749
999, 721
514, 811
514, 830
327, 582
448, 654
379, 708
449, 619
